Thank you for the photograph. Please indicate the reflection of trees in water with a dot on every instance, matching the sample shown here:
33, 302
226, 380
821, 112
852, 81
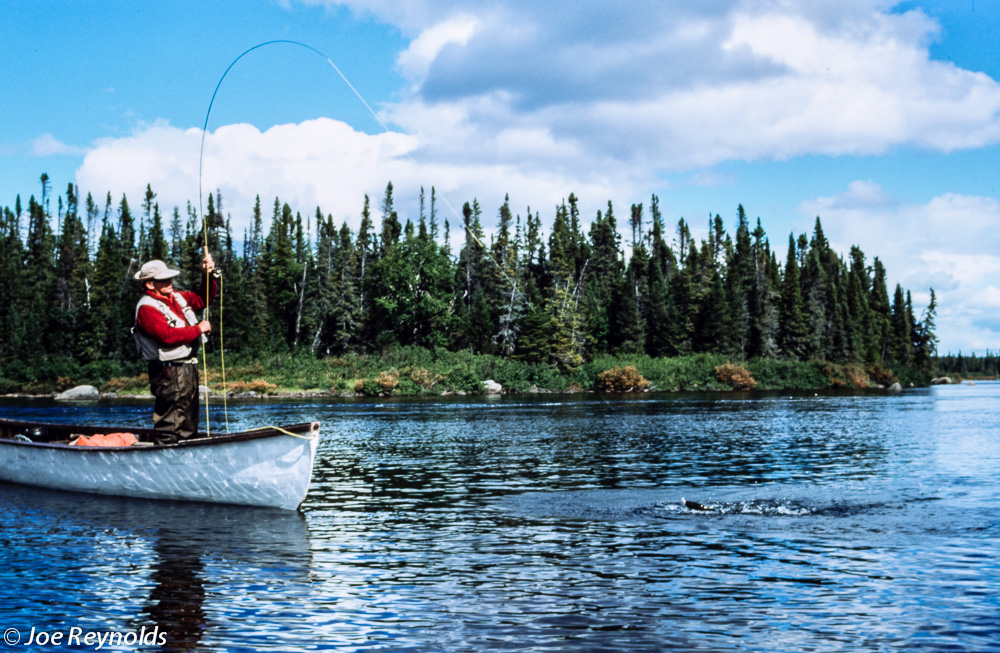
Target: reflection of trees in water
195, 547
178, 596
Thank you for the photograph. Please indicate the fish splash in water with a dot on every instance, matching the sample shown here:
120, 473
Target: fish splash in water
694, 505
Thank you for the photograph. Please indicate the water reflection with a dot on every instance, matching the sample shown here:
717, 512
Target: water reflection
178, 595
141, 566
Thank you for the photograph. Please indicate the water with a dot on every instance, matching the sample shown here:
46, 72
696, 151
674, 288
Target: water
837, 522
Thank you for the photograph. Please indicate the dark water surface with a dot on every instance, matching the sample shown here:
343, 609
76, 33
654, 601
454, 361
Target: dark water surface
835, 523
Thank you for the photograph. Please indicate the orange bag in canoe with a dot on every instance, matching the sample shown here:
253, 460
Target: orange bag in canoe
106, 440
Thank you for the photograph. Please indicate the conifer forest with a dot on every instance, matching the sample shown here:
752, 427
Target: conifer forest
543, 289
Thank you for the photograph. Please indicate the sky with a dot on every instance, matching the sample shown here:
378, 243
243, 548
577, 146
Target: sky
881, 118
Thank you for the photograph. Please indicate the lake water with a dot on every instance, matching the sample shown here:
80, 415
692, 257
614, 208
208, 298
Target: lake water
838, 522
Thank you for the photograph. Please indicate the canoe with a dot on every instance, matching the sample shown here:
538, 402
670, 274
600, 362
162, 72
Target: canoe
269, 467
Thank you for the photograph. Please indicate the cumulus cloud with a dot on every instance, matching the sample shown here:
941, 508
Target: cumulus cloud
48, 145
415, 61
611, 96
319, 163
948, 244
678, 86
859, 195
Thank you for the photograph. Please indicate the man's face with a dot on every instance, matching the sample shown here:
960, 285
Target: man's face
164, 287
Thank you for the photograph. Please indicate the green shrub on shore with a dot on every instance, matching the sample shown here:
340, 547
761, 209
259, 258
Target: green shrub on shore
787, 374
908, 376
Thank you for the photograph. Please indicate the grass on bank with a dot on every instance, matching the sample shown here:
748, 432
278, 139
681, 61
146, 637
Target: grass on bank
412, 371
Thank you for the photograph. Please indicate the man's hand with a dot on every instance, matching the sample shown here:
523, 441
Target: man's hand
205, 326
208, 264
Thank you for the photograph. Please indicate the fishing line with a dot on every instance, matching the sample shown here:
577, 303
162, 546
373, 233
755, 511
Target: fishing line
201, 165
374, 114
201, 162
204, 129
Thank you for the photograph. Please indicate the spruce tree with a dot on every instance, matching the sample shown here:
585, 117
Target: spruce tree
391, 227
105, 293
661, 314
879, 317
740, 274
281, 275
712, 327
901, 336
158, 247
604, 274
72, 280
479, 324
926, 340
11, 260
638, 270
258, 318
365, 246
346, 314
793, 331
534, 340
507, 280
859, 284
320, 296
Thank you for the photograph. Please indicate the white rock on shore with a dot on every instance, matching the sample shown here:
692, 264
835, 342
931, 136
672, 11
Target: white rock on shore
492, 387
79, 393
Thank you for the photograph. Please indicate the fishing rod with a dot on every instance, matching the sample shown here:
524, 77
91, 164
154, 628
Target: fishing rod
340, 73
201, 164
204, 222
204, 129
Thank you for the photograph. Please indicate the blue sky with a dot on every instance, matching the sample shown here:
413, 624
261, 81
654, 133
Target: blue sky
882, 118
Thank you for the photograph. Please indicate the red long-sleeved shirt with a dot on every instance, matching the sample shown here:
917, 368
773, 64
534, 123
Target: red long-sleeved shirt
155, 324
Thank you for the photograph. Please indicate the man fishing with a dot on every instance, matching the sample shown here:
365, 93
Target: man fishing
168, 334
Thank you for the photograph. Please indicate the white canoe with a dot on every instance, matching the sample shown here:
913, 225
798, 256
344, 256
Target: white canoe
266, 467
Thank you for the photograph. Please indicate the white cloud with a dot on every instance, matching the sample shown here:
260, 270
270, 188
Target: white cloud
861, 194
322, 163
674, 87
417, 58
48, 145
988, 298
949, 244
611, 96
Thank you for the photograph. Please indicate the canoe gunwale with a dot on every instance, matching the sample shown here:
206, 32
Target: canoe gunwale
305, 430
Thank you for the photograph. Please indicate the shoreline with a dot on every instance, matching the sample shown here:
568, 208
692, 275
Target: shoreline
250, 397
331, 394
420, 373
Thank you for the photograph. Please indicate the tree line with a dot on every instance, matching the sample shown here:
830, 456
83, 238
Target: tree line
969, 365
559, 296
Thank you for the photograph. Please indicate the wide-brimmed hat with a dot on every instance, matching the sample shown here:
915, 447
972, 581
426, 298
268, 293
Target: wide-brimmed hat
155, 271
